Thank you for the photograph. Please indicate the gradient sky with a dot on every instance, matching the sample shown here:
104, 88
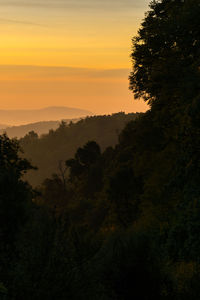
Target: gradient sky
68, 52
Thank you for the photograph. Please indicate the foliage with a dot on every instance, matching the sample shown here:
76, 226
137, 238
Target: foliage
46, 152
15, 200
120, 222
166, 52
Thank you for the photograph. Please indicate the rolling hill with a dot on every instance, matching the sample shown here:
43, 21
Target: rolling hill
38, 127
22, 117
3, 126
47, 151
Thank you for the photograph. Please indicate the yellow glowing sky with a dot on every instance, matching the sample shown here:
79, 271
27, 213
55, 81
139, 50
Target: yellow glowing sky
68, 52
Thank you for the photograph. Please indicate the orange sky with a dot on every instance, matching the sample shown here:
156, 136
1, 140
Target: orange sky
72, 53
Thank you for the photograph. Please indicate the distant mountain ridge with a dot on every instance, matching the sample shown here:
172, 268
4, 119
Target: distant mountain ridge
38, 127
3, 126
54, 113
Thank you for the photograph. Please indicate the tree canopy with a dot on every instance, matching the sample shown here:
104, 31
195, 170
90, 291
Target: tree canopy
166, 52
120, 222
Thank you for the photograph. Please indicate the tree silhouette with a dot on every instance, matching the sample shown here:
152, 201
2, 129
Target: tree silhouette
15, 200
166, 52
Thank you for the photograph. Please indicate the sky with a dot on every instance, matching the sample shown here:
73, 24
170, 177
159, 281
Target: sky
68, 53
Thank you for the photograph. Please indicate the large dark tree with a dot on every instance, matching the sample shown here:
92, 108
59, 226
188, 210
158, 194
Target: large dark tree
13, 191
166, 52
166, 73
15, 198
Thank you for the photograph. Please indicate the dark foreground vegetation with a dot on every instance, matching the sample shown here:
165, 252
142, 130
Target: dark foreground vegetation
123, 223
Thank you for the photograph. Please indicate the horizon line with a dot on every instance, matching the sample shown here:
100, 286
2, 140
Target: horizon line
64, 67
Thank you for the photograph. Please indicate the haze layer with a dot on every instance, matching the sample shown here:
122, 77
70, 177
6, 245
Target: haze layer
63, 52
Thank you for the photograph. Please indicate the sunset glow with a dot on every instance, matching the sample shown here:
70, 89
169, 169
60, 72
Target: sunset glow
72, 53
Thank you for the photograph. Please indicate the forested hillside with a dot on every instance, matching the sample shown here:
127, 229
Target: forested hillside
124, 222
49, 150
38, 127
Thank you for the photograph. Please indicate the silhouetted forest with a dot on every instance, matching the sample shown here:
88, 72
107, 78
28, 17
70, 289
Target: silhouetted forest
38, 127
121, 222
49, 151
